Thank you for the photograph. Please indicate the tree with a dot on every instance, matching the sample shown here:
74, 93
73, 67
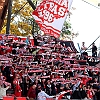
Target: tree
21, 19
22, 22
66, 28
67, 31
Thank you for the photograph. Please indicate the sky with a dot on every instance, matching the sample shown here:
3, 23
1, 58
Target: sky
94, 2
85, 20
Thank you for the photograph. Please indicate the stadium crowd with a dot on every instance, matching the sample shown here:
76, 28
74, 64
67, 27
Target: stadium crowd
49, 68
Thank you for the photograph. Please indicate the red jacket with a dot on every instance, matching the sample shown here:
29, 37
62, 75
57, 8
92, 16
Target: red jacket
32, 93
90, 93
18, 90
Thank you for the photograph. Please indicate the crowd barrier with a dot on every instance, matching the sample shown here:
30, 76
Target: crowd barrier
20, 98
12, 98
50, 99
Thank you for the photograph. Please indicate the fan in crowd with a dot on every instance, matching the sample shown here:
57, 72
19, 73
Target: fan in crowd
46, 70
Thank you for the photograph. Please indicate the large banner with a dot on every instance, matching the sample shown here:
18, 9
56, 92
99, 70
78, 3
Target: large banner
51, 14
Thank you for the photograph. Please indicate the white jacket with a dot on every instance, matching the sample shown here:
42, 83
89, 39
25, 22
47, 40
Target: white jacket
42, 96
3, 92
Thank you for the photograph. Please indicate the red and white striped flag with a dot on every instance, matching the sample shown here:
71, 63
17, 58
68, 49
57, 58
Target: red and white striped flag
51, 14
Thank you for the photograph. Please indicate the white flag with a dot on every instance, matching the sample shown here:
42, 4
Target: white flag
51, 14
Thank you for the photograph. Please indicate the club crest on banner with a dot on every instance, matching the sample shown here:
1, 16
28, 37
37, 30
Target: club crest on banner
51, 14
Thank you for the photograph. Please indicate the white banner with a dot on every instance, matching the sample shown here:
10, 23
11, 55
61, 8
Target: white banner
51, 14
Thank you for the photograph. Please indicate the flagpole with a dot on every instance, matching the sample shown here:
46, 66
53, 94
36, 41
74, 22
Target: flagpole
93, 42
91, 4
31, 3
79, 47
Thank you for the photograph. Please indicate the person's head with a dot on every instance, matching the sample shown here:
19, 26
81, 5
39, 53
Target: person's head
67, 85
83, 43
0, 73
43, 80
62, 87
33, 86
95, 79
84, 87
28, 37
19, 39
17, 76
39, 88
48, 82
93, 44
89, 87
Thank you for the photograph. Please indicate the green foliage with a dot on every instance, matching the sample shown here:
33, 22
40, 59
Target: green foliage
21, 19
22, 22
66, 30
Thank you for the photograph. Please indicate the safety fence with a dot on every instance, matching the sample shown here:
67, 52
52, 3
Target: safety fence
13, 98
50, 99
20, 98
